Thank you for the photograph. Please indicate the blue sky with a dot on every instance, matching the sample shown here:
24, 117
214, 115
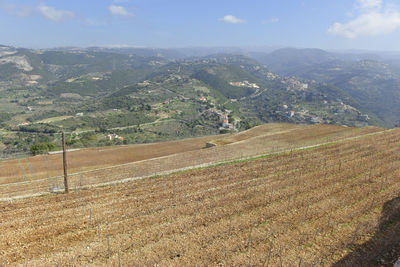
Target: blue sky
338, 24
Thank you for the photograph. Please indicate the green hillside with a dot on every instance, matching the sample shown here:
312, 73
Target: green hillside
91, 94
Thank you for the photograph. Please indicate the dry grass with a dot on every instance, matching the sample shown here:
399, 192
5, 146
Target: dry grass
315, 206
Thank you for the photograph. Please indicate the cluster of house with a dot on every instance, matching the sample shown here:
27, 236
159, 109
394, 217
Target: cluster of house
23, 123
114, 136
272, 76
287, 112
245, 84
302, 114
224, 119
225, 122
144, 83
293, 84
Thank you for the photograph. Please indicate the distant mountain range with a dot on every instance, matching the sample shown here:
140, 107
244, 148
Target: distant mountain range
371, 80
192, 91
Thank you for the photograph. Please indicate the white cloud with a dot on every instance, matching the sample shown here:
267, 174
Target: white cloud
372, 20
55, 15
368, 24
366, 4
119, 11
232, 19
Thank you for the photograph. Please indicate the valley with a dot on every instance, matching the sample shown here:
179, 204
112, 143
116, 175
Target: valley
93, 93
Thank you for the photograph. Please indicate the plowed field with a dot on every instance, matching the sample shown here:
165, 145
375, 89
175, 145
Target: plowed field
334, 204
40, 174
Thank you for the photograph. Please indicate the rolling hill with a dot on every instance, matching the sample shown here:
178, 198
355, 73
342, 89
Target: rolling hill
372, 81
91, 93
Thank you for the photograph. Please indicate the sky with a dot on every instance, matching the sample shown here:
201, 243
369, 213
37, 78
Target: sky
326, 24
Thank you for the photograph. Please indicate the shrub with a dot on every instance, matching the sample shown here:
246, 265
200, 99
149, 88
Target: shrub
42, 148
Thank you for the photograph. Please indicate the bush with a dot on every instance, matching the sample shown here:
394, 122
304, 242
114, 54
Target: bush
224, 131
42, 148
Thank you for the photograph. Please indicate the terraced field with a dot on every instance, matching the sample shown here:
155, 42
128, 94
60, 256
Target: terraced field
334, 204
88, 167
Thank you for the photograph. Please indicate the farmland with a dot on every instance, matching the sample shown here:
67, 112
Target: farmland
104, 165
332, 204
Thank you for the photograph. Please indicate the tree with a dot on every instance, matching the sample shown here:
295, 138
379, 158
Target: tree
42, 148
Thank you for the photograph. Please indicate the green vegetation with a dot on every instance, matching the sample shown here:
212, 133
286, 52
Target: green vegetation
107, 121
370, 85
90, 94
38, 128
42, 148
222, 86
4, 116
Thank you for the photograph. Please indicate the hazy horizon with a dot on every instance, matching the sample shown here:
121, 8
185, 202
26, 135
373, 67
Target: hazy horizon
371, 25
261, 48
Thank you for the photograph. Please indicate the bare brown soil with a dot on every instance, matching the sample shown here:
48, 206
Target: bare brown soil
320, 206
103, 165
91, 158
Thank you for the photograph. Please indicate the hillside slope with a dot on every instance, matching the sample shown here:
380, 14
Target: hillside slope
94, 93
96, 166
330, 205
371, 81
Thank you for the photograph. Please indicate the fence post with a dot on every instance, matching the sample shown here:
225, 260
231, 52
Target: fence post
65, 164
48, 174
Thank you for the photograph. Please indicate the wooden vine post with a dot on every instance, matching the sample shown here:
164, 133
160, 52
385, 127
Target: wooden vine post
65, 163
